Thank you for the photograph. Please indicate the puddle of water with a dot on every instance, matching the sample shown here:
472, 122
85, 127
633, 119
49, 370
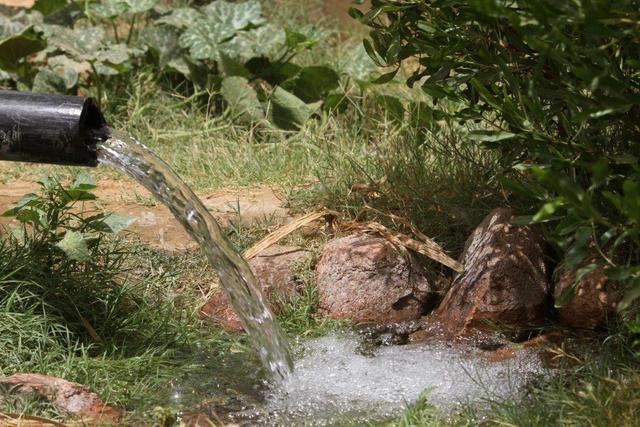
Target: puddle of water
334, 383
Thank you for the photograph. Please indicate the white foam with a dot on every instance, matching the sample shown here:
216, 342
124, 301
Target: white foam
331, 380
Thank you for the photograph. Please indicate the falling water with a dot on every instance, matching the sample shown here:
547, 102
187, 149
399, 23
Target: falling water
133, 158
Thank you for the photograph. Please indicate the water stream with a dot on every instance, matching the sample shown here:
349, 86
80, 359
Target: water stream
134, 159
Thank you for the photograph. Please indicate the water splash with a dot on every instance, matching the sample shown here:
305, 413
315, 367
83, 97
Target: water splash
335, 384
136, 160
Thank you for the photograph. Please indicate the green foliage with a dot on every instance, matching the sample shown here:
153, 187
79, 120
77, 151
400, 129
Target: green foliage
554, 88
63, 47
76, 302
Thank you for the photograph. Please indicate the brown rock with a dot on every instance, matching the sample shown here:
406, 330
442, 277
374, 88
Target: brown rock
273, 268
592, 301
74, 398
363, 277
504, 282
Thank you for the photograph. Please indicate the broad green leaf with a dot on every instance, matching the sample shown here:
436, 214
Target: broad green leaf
28, 199
48, 7
182, 17
83, 43
220, 22
117, 222
393, 108
163, 40
288, 111
108, 9
84, 181
235, 16
140, 6
242, 99
230, 67
203, 38
296, 40
47, 81
33, 216
313, 83
68, 69
267, 41
17, 46
74, 246
115, 54
358, 64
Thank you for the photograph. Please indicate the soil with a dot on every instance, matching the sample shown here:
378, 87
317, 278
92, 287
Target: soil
17, 3
154, 223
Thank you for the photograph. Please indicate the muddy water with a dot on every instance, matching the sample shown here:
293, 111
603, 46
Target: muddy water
133, 158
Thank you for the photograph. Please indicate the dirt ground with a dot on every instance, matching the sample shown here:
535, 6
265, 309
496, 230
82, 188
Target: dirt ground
153, 222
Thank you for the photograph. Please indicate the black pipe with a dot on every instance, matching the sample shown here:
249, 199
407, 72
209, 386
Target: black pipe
46, 128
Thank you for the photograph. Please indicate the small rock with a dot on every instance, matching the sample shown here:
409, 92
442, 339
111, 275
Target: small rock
363, 278
592, 301
74, 398
504, 282
273, 269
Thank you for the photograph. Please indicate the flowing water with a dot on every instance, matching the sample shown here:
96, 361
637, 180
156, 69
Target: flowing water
133, 158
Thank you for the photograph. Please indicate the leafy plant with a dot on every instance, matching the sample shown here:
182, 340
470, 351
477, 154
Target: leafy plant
50, 221
554, 87
223, 47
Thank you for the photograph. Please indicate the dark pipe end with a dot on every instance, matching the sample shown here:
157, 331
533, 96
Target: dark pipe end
47, 128
92, 129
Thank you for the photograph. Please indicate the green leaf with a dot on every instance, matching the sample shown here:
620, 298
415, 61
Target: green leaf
230, 67
33, 216
140, 6
266, 41
547, 210
163, 41
117, 222
68, 69
235, 16
219, 23
17, 46
242, 99
491, 136
358, 64
28, 199
182, 17
47, 81
74, 246
313, 83
48, 7
108, 9
296, 40
288, 111
84, 181
116, 54
82, 43
631, 293
393, 108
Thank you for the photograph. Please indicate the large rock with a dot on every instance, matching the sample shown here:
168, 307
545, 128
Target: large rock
592, 299
504, 282
73, 398
363, 278
273, 269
